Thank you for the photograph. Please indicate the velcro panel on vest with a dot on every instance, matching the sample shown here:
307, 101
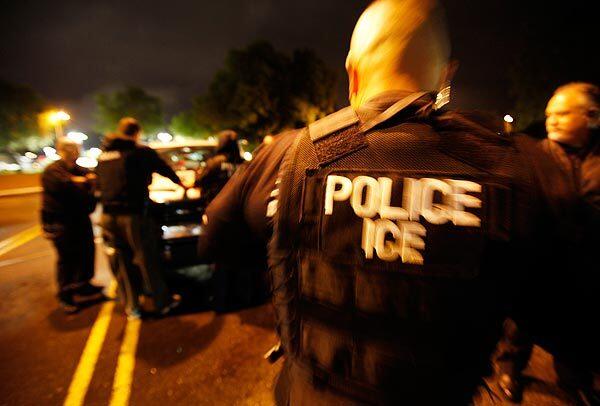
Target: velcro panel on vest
336, 135
339, 144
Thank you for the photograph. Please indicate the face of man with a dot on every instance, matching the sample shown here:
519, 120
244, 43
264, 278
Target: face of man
567, 118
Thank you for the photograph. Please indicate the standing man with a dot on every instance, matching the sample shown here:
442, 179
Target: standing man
568, 166
68, 200
125, 171
397, 226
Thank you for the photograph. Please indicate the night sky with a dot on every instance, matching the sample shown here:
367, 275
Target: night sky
69, 50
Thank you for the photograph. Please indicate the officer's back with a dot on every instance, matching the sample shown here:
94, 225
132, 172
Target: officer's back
125, 170
396, 226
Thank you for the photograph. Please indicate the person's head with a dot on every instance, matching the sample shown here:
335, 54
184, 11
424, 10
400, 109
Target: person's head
572, 113
397, 45
68, 150
227, 136
129, 127
228, 145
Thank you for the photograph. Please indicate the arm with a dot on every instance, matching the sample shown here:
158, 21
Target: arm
222, 219
161, 167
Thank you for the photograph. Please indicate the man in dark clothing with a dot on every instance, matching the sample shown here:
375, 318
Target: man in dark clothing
397, 229
68, 200
220, 167
238, 218
568, 167
125, 171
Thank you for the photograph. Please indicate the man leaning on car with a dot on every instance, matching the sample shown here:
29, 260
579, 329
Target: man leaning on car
124, 171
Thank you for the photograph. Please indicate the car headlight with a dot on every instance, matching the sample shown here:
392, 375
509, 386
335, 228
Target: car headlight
181, 231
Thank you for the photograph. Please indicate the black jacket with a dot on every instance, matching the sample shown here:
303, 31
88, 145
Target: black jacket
65, 200
125, 171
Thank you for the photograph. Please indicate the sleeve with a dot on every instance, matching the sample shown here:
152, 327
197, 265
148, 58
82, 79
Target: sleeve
159, 166
58, 181
222, 219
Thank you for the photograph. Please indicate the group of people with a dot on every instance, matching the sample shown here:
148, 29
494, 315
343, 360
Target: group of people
405, 243
129, 231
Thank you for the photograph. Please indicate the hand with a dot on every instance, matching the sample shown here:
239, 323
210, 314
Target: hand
79, 179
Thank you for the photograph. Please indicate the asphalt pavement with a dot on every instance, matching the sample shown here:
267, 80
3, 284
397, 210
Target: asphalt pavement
97, 357
190, 358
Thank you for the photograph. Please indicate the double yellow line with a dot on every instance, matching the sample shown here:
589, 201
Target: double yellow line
121, 389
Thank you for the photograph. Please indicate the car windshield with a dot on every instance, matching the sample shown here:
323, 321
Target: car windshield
186, 158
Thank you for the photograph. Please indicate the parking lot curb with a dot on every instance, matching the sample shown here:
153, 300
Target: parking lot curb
20, 191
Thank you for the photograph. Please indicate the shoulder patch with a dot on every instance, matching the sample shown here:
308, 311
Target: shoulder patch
336, 121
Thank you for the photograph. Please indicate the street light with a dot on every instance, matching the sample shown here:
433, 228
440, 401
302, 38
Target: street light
508, 123
57, 119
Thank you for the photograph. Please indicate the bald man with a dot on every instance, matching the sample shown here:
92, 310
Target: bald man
396, 225
559, 308
67, 202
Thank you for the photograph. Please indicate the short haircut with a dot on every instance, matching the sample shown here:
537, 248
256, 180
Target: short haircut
401, 36
64, 142
129, 126
590, 91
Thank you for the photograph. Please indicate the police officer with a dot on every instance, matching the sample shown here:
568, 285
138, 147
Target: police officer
125, 171
568, 167
220, 167
68, 200
396, 227
239, 218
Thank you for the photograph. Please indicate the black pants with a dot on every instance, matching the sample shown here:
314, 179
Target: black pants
74, 243
135, 260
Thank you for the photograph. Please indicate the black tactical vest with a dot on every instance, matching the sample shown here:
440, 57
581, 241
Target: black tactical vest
391, 240
117, 195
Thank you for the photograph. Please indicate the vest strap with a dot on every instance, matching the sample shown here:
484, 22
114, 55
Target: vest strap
342, 134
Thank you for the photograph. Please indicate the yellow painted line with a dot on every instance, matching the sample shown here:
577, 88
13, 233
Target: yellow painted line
89, 358
19, 239
125, 365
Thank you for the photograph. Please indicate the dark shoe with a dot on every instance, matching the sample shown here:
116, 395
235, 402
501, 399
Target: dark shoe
68, 305
175, 301
90, 290
511, 387
134, 314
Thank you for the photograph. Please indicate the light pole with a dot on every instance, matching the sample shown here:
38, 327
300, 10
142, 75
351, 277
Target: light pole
508, 124
57, 118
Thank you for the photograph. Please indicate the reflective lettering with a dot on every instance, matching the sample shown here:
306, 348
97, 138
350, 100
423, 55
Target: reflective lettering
385, 210
434, 213
462, 200
333, 194
370, 206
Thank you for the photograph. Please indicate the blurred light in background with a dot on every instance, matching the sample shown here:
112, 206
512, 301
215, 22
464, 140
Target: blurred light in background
87, 162
30, 155
247, 156
94, 152
77, 136
58, 116
508, 118
164, 137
